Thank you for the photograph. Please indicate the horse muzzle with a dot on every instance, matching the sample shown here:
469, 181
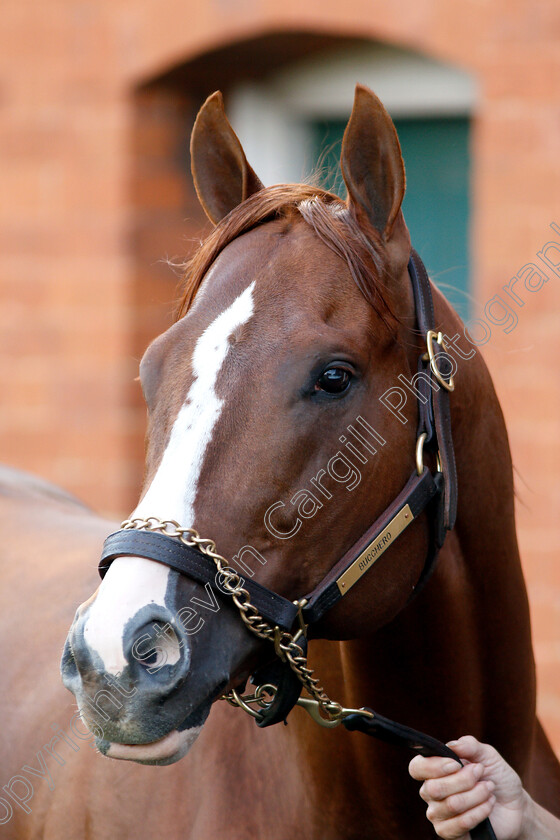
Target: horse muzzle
136, 698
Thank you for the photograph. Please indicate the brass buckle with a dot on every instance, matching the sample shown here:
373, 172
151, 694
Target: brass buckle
279, 634
313, 709
261, 697
420, 455
302, 631
432, 336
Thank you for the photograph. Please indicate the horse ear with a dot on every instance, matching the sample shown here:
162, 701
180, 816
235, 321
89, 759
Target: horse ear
221, 173
372, 164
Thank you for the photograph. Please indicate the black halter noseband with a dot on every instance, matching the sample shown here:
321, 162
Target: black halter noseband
434, 492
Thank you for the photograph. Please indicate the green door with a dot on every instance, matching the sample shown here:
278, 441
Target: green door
436, 205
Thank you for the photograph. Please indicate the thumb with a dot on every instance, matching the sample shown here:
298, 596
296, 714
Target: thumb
473, 751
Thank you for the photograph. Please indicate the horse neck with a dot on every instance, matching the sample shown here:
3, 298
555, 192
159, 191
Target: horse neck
458, 659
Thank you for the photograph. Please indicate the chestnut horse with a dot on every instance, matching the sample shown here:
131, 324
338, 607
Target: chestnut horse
267, 433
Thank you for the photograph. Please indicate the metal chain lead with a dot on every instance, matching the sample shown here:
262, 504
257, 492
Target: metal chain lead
285, 643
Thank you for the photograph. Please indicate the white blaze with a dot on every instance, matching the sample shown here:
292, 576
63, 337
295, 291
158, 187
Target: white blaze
172, 492
133, 582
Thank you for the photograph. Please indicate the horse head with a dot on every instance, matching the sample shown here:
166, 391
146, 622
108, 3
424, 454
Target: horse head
266, 433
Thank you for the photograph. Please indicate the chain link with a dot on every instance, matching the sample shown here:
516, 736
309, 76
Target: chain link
285, 643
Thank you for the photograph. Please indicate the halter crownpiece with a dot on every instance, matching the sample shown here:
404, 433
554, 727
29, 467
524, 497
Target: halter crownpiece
271, 616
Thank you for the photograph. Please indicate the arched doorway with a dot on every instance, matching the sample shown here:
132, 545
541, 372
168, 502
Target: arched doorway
292, 121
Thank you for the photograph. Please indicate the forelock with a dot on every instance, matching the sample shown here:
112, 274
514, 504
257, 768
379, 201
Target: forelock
327, 215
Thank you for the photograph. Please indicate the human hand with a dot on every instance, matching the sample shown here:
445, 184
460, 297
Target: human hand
460, 798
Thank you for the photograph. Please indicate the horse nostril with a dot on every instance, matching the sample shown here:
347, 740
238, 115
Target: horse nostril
157, 646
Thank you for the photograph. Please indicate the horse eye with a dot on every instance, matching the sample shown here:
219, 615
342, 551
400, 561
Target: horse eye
334, 380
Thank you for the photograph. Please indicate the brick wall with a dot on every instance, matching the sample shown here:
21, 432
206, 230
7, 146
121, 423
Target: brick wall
165, 220
93, 194
64, 268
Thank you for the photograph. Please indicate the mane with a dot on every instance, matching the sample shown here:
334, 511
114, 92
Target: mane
324, 212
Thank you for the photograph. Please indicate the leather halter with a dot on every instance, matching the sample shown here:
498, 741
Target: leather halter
434, 492
423, 489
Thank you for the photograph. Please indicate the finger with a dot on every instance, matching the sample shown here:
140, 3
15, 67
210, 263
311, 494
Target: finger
441, 788
422, 768
458, 827
459, 803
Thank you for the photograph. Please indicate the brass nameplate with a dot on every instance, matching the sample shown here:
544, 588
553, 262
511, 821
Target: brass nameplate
375, 549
